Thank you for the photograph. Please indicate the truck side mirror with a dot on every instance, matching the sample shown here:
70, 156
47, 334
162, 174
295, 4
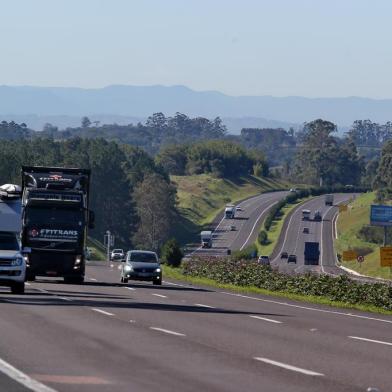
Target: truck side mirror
91, 219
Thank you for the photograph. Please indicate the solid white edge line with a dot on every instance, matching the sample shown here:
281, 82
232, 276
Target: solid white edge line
93, 279
159, 295
288, 367
167, 331
266, 319
102, 311
308, 308
23, 378
256, 223
130, 288
66, 299
370, 340
205, 306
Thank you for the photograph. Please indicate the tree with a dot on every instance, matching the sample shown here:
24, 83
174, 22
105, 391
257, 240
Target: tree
85, 122
171, 253
155, 205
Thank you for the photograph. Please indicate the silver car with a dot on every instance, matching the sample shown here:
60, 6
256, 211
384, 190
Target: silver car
141, 265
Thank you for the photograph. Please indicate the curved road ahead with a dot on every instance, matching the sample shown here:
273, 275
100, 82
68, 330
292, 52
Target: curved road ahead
294, 239
247, 224
104, 336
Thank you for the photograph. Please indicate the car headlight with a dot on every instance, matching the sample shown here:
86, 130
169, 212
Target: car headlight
17, 262
158, 270
128, 268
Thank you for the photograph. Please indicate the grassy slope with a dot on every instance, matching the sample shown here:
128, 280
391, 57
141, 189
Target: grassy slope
349, 223
276, 228
201, 197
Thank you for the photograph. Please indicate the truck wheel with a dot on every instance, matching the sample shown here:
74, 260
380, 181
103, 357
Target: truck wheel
157, 282
125, 280
18, 288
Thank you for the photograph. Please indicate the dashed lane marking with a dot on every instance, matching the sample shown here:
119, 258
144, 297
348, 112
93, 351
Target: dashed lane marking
266, 319
168, 331
205, 306
130, 288
288, 367
159, 295
371, 340
102, 311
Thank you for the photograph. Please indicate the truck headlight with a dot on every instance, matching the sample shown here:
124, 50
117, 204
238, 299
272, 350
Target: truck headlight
78, 260
128, 268
158, 270
17, 262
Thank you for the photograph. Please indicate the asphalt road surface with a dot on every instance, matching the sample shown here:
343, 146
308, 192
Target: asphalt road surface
294, 238
104, 336
246, 225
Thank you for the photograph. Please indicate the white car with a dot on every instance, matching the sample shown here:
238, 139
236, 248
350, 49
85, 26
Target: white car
238, 208
264, 260
117, 255
12, 263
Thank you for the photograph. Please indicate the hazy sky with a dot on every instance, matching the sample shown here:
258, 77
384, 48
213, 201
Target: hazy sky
312, 48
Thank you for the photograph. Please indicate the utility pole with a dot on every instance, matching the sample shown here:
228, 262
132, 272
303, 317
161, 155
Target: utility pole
108, 242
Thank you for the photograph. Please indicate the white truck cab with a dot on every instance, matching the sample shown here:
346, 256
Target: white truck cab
12, 262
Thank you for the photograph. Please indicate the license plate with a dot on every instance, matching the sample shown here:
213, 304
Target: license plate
144, 274
51, 273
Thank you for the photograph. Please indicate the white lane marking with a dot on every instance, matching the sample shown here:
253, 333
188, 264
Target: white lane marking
159, 295
23, 378
288, 367
308, 308
130, 288
336, 225
266, 319
205, 306
167, 331
132, 321
93, 279
322, 241
256, 223
66, 299
371, 340
102, 311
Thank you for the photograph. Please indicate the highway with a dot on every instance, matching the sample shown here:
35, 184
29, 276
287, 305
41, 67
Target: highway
293, 239
104, 336
246, 223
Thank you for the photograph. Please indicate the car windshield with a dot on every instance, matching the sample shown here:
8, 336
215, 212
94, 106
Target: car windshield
117, 251
8, 241
34, 215
143, 257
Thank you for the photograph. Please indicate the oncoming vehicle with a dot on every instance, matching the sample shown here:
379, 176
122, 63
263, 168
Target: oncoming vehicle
284, 255
117, 254
264, 260
232, 228
141, 265
238, 208
292, 259
317, 216
306, 230
306, 214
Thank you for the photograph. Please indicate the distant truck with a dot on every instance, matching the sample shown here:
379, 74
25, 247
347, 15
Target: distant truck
329, 200
206, 239
12, 262
306, 214
317, 216
312, 253
230, 211
56, 216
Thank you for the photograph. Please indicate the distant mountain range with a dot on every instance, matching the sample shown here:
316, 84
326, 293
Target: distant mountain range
124, 104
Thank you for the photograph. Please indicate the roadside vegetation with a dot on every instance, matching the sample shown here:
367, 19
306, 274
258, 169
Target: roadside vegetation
247, 276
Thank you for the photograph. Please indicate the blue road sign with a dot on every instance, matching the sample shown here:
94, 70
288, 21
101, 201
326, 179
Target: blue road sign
381, 215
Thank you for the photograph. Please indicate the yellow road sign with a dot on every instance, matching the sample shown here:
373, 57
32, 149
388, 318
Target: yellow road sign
343, 207
349, 255
386, 256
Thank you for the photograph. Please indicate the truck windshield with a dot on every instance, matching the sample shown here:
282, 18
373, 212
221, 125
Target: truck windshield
8, 241
143, 257
53, 215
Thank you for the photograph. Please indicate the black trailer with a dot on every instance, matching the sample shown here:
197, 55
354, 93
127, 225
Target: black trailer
55, 220
312, 253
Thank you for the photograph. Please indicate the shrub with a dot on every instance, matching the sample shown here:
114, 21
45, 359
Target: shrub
171, 253
262, 237
248, 253
250, 273
371, 234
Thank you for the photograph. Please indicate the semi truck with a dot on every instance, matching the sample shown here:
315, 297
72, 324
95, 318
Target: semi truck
312, 253
329, 200
12, 262
55, 220
230, 211
206, 239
